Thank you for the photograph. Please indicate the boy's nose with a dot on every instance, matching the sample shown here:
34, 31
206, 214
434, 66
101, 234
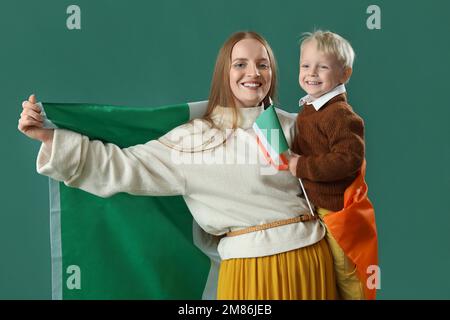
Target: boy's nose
313, 72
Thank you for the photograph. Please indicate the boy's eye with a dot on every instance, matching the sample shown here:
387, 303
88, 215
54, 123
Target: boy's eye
324, 67
304, 66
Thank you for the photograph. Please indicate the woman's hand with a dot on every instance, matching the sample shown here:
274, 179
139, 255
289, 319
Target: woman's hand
293, 159
31, 122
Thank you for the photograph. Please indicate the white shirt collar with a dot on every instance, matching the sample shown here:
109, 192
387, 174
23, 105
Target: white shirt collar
320, 102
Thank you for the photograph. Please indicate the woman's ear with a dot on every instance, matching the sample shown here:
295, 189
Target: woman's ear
346, 74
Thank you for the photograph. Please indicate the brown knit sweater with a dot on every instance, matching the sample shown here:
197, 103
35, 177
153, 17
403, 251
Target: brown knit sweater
330, 142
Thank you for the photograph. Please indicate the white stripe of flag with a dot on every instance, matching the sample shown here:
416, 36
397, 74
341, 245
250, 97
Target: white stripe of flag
266, 146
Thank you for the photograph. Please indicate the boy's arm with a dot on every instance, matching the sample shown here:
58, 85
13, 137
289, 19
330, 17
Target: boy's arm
345, 132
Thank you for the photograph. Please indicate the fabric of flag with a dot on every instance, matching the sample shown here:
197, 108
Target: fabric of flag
271, 138
355, 231
124, 246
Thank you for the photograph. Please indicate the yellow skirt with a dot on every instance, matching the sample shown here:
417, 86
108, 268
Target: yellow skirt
302, 274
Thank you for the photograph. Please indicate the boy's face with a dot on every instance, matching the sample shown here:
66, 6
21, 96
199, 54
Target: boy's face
319, 72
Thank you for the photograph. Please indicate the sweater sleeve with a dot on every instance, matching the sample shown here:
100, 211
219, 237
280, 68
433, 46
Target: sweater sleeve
345, 133
105, 169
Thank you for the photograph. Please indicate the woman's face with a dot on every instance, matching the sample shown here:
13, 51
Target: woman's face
250, 73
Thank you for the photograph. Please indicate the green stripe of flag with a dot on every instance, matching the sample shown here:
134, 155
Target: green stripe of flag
270, 133
124, 126
123, 247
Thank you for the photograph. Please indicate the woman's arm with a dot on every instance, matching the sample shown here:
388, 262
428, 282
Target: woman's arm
99, 168
104, 169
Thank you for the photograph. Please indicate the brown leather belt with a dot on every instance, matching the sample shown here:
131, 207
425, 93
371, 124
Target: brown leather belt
301, 218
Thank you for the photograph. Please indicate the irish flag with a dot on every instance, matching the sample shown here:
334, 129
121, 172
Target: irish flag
126, 247
271, 139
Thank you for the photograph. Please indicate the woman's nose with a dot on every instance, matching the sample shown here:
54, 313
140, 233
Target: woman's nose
253, 70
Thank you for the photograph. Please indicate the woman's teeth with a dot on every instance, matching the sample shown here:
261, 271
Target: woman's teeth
251, 84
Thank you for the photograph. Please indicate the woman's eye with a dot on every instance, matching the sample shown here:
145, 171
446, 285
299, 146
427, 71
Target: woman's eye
239, 65
264, 66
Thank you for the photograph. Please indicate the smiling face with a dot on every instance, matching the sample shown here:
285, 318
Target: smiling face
250, 73
320, 72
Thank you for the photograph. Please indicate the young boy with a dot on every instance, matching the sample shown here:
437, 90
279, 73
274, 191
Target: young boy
329, 146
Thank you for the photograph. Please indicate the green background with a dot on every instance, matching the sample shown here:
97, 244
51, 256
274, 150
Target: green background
148, 53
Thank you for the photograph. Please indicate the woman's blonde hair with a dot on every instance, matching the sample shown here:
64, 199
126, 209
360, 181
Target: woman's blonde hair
220, 93
331, 43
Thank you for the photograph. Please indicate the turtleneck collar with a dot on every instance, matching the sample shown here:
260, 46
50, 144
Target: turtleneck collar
223, 117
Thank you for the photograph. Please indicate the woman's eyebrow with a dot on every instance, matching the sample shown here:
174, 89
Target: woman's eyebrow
245, 59
240, 59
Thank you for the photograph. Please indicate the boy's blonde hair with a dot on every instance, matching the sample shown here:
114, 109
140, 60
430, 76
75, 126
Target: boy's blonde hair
331, 43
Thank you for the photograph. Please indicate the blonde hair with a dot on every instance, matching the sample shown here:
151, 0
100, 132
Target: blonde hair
331, 43
220, 93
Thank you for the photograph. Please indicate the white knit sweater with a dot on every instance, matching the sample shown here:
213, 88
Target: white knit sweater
227, 187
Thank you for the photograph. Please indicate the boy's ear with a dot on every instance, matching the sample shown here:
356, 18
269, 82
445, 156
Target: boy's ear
346, 74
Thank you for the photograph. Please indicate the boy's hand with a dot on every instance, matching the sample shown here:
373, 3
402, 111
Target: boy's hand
293, 164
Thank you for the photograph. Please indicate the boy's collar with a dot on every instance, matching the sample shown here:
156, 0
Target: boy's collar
322, 100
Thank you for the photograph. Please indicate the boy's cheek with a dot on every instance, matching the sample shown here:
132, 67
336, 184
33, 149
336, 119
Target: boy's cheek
300, 82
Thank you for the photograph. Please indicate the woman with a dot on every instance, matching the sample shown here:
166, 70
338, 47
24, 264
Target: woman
227, 192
